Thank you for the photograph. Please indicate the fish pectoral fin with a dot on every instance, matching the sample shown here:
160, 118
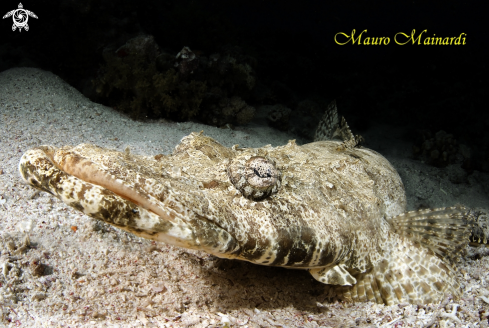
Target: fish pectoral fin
336, 275
446, 231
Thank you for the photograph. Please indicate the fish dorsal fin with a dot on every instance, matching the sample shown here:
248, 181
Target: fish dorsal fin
332, 127
344, 131
329, 125
336, 275
445, 231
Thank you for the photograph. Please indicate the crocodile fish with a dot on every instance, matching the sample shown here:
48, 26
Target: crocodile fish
331, 207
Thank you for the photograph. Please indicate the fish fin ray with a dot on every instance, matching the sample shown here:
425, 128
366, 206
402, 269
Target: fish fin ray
332, 127
329, 126
446, 231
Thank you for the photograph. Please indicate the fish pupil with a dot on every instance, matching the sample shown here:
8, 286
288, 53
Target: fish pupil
263, 173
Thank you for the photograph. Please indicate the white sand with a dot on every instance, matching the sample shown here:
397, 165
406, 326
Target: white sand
98, 276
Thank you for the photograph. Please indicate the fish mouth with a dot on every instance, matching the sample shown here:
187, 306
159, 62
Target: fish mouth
87, 187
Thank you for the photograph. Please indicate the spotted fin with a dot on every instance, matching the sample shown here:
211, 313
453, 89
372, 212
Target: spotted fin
415, 266
445, 231
332, 127
408, 272
336, 275
329, 126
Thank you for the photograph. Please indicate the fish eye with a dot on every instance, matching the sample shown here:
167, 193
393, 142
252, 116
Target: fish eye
256, 177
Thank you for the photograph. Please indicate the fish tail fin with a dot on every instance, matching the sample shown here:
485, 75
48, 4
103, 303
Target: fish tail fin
415, 265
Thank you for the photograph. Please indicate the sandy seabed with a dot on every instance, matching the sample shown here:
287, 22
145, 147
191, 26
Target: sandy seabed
63, 269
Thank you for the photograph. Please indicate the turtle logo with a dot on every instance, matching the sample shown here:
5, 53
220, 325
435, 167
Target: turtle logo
20, 17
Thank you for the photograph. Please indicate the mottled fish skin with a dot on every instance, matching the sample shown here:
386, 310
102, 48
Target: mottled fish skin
319, 206
319, 215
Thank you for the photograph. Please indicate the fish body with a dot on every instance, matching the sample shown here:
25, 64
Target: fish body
331, 207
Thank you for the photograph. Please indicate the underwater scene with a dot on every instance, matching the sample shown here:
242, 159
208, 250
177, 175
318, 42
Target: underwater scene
243, 164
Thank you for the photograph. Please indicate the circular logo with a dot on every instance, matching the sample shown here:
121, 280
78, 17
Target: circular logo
20, 18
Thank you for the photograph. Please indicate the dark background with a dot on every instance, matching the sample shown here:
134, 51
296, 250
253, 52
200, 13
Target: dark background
426, 88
